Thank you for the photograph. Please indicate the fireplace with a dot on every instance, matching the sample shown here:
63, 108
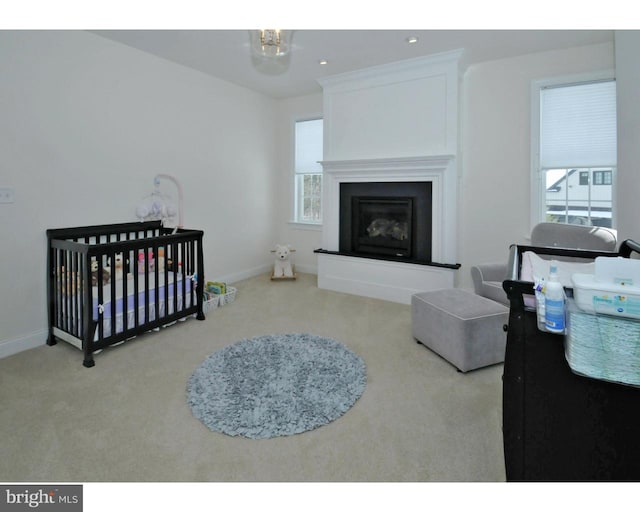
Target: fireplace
392, 124
388, 220
430, 183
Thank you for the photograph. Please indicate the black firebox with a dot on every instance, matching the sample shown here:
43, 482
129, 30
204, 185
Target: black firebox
386, 219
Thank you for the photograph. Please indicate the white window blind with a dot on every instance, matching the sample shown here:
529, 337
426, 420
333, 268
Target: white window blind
578, 125
308, 146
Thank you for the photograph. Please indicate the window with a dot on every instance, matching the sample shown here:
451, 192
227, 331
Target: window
308, 171
584, 177
579, 196
602, 177
576, 151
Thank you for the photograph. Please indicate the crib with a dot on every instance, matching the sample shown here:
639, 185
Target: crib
109, 283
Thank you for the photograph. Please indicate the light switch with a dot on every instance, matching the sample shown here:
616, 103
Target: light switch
7, 195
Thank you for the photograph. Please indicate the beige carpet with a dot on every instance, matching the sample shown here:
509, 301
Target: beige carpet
127, 418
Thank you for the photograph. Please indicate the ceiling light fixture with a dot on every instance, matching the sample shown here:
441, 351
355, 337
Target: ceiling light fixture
323, 62
412, 39
270, 50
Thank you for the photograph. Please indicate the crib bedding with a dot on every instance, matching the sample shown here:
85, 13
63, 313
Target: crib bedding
163, 311
166, 302
105, 305
103, 310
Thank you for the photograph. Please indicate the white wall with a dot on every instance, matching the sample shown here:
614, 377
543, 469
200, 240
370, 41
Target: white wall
496, 164
494, 186
85, 125
628, 77
304, 239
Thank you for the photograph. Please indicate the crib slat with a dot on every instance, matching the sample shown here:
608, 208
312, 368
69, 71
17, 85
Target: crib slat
86, 291
156, 276
100, 300
146, 287
185, 263
66, 291
136, 289
114, 298
172, 256
161, 263
125, 291
76, 291
192, 271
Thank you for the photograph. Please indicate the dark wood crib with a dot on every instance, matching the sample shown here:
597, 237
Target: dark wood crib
109, 283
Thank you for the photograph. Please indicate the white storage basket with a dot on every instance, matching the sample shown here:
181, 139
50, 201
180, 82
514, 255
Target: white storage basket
214, 300
229, 296
211, 301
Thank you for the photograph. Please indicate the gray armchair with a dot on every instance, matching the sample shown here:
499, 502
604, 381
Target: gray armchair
488, 277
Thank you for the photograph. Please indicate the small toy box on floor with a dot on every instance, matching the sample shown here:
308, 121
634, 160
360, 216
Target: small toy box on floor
218, 294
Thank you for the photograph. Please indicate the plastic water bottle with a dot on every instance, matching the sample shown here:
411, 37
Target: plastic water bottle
554, 300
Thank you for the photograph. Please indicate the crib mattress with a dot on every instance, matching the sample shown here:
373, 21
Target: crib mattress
102, 310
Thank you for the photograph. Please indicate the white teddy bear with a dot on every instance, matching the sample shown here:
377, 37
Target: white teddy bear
282, 266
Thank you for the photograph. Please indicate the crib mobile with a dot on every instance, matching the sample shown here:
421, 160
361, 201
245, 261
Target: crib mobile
159, 206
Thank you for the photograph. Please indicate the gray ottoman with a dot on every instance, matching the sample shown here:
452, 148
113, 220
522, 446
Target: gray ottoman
462, 327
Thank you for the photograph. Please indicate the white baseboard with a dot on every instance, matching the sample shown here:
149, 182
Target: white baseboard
307, 269
26, 342
262, 269
245, 274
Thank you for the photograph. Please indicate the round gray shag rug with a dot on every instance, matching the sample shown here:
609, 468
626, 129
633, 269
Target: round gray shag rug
276, 385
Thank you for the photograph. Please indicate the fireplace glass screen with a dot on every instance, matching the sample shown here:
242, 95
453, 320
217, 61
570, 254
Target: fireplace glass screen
389, 220
382, 226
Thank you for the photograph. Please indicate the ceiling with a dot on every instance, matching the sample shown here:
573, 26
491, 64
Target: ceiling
225, 53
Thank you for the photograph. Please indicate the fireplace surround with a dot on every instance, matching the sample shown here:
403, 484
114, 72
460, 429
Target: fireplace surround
390, 278
386, 220
438, 173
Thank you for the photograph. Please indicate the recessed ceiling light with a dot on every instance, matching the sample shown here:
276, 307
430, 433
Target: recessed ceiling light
412, 39
323, 62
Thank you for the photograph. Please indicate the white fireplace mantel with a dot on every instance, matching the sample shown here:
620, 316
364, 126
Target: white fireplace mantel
393, 123
439, 170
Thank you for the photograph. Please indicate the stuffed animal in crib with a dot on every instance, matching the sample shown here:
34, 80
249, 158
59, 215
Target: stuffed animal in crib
148, 261
116, 266
282, 266
106, 275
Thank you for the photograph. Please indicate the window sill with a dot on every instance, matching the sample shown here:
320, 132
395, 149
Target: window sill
307, 226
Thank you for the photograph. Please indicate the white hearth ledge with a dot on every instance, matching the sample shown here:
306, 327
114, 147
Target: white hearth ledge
380, 279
